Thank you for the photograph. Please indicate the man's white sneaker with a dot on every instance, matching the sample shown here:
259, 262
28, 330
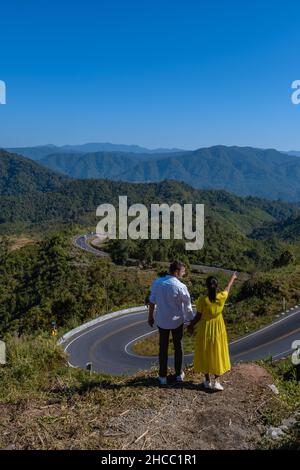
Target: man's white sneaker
162, 380
207, 384
218, 386
180, 378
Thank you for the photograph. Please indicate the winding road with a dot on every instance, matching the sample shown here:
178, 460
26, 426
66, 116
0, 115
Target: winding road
108, 344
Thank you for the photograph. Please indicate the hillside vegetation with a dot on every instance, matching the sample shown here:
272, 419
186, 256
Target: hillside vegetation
240, 170
19, 175
35, 199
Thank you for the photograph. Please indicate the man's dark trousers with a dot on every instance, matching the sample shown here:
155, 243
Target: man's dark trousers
177, 335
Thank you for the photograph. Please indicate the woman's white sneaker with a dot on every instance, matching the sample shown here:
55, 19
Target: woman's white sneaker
180, 378
218, 386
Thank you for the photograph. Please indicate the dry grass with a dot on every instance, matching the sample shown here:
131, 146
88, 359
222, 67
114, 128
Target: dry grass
18, 242
46, 405
76, 411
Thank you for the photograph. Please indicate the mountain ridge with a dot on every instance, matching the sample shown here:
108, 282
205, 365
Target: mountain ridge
244, 171
41, 151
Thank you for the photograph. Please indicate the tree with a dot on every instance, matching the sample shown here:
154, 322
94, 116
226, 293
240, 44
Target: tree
286, 258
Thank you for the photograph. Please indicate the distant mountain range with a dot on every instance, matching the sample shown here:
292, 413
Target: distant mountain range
122, 166
240, 170
294, 153
41, 151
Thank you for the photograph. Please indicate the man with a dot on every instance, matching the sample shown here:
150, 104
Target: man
160, 274
173, 309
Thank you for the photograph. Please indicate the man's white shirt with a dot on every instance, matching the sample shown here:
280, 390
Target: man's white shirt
173, 302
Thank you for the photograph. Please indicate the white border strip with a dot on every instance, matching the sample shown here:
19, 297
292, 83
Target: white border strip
135, 340
266, 327
98, 320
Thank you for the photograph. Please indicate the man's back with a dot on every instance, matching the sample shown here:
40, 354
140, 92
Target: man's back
172, 300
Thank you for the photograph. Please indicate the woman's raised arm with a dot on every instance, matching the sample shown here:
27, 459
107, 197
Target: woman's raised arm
232, 279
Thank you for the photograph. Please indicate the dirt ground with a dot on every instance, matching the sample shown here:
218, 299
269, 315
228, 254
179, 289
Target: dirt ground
191, 418
136, 413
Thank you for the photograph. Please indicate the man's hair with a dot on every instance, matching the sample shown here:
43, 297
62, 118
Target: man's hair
176, 266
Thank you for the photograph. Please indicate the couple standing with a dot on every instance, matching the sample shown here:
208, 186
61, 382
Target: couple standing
174, 310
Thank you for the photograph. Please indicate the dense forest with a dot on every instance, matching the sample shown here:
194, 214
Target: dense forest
52, 281
19, 175
35, 199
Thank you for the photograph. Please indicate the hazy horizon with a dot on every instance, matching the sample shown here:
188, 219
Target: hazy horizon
145, 147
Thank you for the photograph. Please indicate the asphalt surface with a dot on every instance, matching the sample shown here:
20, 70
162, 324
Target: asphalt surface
81, 241
108, 345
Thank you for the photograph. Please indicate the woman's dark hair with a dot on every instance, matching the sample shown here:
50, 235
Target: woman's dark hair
212, 284
176, 266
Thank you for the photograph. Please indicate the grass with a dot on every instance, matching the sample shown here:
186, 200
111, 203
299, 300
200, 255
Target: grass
46, 405
285, 378
31, 366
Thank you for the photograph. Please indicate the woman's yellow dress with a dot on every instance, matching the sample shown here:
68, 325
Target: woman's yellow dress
211, 343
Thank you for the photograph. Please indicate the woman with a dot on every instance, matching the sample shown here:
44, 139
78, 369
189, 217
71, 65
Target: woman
211, 344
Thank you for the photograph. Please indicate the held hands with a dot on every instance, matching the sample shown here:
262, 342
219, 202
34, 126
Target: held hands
190, 329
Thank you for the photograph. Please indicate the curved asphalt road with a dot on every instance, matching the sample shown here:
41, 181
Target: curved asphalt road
108, 345
81, 241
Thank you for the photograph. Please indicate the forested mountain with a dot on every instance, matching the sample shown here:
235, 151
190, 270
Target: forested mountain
240, 170
294, 153
94, 165
19, 175
34, 197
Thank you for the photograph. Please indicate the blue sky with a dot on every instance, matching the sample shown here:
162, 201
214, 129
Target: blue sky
155, 73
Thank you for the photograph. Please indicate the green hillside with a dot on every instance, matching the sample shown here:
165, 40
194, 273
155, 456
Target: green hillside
19, 175
288, 230
39, 198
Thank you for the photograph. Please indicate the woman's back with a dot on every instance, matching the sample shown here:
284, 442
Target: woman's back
211, 310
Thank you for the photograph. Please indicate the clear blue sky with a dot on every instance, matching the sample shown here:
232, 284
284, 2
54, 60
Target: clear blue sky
155, 73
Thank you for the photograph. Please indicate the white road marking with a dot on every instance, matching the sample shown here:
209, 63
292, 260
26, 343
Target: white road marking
95, 328
134, 341
265, 327
284, 352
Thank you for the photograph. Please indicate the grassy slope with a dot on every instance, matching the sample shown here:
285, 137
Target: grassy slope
46, 405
